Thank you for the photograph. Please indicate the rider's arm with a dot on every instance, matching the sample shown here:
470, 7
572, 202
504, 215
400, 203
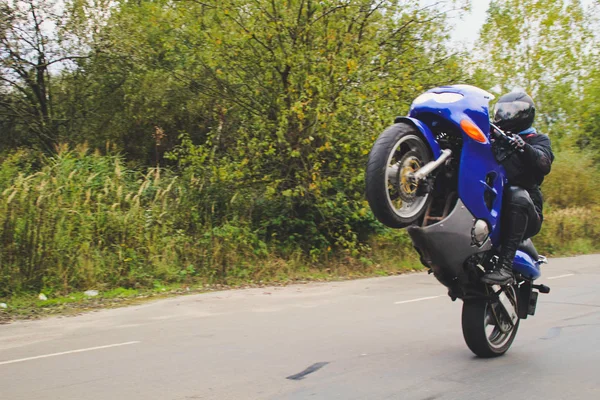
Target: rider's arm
538, 154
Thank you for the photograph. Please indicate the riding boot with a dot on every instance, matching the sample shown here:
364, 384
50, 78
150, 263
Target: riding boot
515, 226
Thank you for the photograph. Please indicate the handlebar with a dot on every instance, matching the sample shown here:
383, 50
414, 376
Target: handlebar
498, 134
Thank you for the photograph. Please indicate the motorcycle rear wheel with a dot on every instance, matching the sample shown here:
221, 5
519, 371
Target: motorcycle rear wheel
399, 151
480, 329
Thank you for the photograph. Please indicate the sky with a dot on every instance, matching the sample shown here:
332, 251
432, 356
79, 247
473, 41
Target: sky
467, 25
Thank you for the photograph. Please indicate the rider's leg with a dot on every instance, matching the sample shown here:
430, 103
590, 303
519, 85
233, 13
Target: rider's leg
520, 221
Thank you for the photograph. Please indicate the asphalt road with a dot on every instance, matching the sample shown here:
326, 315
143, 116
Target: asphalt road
384, 338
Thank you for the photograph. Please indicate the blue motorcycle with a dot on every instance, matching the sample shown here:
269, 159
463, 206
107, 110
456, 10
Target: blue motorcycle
438, 172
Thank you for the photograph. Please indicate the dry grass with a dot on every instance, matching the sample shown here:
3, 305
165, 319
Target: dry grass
82, 220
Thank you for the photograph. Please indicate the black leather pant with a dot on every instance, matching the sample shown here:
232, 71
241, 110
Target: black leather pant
520, 220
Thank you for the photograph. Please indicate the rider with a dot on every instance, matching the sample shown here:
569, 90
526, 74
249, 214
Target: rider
525, 170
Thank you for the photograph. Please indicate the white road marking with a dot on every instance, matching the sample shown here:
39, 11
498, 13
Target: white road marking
67, 352
560, 276
415, 300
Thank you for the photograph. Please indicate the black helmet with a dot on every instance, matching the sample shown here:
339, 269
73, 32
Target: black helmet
514, 112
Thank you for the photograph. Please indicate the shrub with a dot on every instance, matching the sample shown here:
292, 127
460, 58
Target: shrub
573, 182
570, 230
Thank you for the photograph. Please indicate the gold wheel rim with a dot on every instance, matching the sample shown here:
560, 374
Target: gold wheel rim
408, 185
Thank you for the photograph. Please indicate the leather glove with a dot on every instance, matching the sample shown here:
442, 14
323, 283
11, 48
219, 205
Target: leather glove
517, 142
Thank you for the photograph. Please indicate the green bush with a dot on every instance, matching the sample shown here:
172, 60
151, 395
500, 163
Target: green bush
83, 220
573, 182
572, 195
569, 231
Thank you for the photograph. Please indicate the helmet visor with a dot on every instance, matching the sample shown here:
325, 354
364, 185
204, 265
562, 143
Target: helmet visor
515, 110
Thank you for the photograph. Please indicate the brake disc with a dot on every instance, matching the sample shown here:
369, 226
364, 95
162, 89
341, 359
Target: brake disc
407, 166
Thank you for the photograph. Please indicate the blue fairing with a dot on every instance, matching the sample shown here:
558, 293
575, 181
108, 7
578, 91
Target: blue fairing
479, 172
526, 266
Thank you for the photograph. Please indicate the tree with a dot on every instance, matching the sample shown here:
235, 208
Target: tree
589, 137
544, 47
301, 89
277, 103
36, 48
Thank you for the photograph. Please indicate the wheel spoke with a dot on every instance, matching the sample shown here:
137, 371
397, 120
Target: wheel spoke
501, 332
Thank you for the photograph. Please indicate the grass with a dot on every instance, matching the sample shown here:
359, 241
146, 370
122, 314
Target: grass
28, 305
82, 221
388, 254
569, 231
25, 306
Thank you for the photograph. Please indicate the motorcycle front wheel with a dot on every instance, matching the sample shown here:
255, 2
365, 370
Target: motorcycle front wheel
486, 329
398, 152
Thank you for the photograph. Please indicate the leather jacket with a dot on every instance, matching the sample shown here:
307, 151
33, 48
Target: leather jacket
527, 169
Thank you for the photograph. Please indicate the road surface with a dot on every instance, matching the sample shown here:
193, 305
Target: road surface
382, 338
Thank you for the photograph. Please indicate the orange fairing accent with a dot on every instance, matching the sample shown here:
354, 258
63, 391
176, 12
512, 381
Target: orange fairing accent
473, 131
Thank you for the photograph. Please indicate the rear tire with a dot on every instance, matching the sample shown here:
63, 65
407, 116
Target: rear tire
399, 151
476, 323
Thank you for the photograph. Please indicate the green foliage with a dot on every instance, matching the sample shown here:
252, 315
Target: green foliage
263, 114
82, 220
268, 110
589, 137
303, 90
545, 47
550, 49
573, 182
41, 43
572, 195
569, 231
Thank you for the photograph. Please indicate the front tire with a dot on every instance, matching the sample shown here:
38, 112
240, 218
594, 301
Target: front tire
393, 198
481, 331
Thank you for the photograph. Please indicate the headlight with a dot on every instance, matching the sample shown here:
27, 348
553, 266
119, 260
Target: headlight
443, 98
480, 232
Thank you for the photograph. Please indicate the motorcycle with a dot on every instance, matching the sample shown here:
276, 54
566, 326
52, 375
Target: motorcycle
438, 173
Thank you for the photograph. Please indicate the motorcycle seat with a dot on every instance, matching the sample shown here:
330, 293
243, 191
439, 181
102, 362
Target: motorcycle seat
528, 247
